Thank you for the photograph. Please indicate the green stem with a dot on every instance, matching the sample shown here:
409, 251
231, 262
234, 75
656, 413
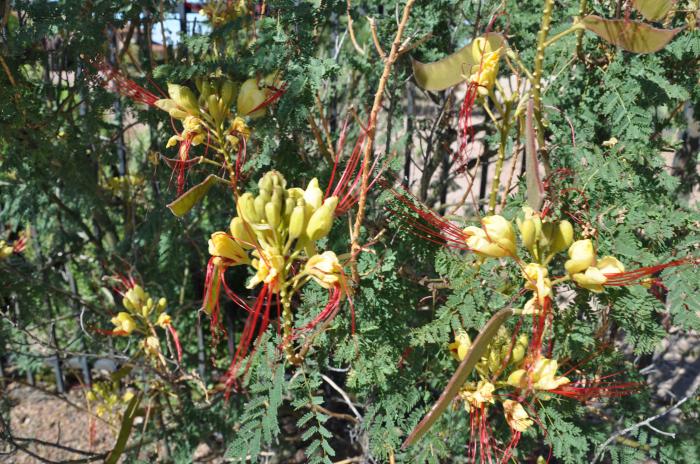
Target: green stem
537, 77
288, 327
576, 27
583, 7
499, 168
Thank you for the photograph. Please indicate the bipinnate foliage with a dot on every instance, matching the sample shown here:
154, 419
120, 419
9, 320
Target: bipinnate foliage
82, 176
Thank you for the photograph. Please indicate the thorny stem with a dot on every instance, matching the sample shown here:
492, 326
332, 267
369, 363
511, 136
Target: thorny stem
371, 130
496, 183
537, 78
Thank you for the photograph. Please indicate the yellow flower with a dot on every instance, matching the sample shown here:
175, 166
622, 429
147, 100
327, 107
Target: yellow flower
223, 246
485, 72
325, 269
496, 239
516, 416
594, 278
123, 322
460, 347
541, 376
164, 320
476, 397
269, 267
151, 346
582, 256
536, 279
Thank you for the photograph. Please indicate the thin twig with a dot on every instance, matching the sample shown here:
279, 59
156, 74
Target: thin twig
371, 132
344, 395
375, 38
645, 422
359, 49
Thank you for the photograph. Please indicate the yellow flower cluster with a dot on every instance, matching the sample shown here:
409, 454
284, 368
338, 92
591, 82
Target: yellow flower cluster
220, 12
108, 403
586, 270
276, 227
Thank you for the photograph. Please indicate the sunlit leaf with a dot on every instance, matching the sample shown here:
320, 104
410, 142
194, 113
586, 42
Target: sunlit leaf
185, 202
465, 368
451, 70
633, 36
653, 10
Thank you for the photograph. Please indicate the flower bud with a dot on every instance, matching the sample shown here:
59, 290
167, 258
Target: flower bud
214, 109
184, 98
313, 196
272, 213
151, 346
223, 246
321, 220
228, 90
325, 269
562, 237
297, 222
246, 208
582, 256
242, 233
162, 304
527, 233
260, 202
519, 350
250, 97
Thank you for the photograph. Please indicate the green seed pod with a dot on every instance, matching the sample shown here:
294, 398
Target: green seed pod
272, 213
242, 233
297, 222
246, 208
563, 237
321, 220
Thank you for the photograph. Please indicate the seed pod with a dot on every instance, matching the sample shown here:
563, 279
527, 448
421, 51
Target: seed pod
242, 233
321, 220
297, 222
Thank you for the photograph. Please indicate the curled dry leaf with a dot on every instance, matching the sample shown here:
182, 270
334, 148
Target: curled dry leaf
451, 70
633, 36
185, 202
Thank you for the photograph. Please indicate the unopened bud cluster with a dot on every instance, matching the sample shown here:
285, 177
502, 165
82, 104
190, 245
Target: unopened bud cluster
142, 315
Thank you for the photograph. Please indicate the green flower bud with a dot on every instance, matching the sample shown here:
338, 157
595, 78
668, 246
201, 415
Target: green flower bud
265, 182
259, 203
519, 349
563, 237
242, 233
228, 90
289, 205
184, 97
215, 109
250, 97
162, 303
527, 233
272, 213
313, 196
297, 222
321, 221
246, 208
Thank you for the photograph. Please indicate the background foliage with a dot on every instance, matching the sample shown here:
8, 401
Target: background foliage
63, 139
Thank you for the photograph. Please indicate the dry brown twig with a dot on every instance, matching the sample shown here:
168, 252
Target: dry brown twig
371, 132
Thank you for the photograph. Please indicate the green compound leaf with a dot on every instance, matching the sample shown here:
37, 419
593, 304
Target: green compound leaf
451, 70
185, 202
653, 10
460, 376
633, 36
